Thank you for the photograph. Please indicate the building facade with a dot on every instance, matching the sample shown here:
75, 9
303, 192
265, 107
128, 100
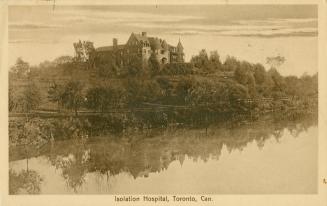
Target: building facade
140, 47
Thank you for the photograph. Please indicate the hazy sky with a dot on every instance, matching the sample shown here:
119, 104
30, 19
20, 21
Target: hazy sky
37, 33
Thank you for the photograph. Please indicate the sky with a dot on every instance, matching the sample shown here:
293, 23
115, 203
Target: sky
249, 32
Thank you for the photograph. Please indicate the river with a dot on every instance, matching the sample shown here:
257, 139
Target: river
264, 157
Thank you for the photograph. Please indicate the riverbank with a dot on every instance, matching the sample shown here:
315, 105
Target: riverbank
36, 131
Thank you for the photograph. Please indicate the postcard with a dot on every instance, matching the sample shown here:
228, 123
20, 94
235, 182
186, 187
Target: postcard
163, 103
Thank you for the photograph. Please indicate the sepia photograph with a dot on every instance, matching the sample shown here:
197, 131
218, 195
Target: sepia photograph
163, 99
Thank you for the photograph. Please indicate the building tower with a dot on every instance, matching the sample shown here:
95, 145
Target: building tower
180, 52
114, 43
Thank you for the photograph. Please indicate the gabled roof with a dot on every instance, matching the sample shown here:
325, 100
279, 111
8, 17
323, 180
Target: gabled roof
139, 37
180, 44
164, 44
154, 42
108, 48
171, 47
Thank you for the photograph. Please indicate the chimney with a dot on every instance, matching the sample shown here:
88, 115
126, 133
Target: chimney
114, 42
143, 33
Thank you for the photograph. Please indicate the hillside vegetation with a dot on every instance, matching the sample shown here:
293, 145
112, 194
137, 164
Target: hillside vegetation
69, 83
77, 97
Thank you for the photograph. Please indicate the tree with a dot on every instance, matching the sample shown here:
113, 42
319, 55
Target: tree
251, 84
308, 85
107, 70
201, 60
116, 95
79, 51
242, 72
231, 63
215, 60
259, 73
142, 90
63, 60
96, 98
72, 95
244, 75
12, 102
90, 53
56, 94
135, 66
183, 90
153, 64
241, 75
277, 79
292, 86
29, 136
21, 68
30, 98
276, 61
267, 86
237, 91
85, 53
47, 65
166, 86
203, 92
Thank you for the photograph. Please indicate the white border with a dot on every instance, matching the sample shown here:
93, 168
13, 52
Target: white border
319, 199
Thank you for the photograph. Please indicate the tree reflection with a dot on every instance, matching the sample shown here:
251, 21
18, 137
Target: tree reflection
73, 166
24, 182
140, 155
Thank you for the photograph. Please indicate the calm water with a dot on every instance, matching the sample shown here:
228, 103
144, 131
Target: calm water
264, 157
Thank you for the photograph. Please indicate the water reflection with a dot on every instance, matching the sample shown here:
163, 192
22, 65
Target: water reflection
24, 182
73, 167
139, 155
